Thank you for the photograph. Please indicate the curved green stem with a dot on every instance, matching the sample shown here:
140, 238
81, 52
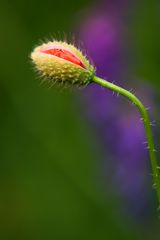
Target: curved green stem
147, 125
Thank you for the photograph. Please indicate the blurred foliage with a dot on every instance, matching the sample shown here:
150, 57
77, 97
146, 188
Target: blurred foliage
47, 161
146, 37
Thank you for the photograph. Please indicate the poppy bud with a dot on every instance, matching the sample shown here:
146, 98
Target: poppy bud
61, 62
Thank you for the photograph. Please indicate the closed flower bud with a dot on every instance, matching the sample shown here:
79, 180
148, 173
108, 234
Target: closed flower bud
60, 62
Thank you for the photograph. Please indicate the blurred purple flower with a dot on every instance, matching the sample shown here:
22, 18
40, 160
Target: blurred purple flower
115, 121
101, 41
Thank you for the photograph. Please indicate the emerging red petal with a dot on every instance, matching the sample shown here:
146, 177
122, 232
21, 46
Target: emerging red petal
64, 54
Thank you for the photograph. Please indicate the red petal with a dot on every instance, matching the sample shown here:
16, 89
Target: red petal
64, 54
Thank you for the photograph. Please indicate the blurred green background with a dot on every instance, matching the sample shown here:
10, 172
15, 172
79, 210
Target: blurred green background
48, 158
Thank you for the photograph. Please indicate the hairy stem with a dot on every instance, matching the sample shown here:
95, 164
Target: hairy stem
147, 125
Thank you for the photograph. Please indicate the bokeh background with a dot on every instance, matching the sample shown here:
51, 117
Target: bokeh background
73, 164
